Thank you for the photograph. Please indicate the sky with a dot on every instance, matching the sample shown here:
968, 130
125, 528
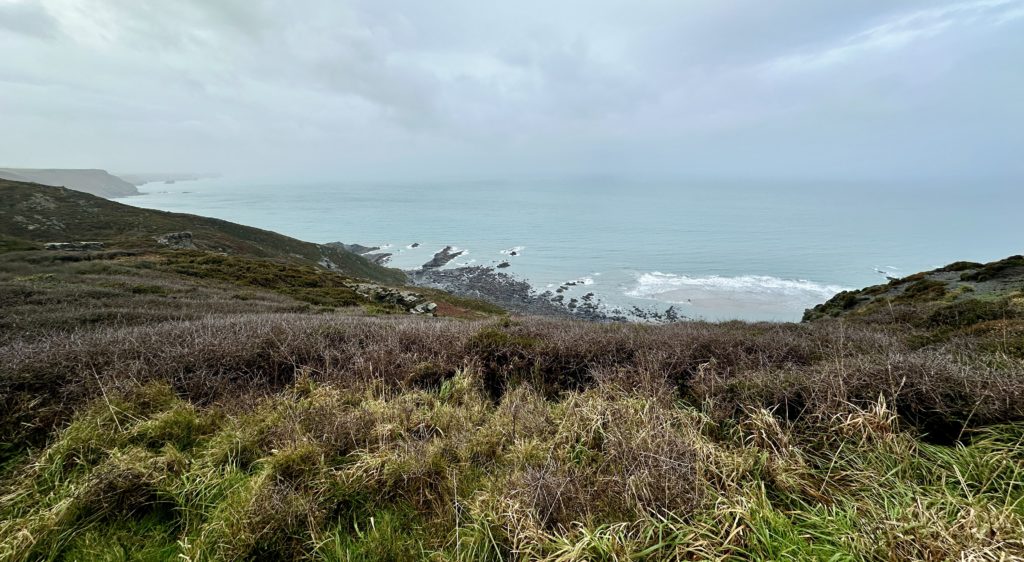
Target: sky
898, 89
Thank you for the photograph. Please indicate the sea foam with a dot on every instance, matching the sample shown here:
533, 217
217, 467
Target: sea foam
670, 287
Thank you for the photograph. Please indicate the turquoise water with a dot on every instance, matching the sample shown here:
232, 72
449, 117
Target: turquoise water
717, 250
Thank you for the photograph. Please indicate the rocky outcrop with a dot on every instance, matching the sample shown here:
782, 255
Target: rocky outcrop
357, 249
74, 246
381, 258
177, 240
442, 258
409, 301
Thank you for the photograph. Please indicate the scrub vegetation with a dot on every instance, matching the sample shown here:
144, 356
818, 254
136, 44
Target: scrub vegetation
186, 405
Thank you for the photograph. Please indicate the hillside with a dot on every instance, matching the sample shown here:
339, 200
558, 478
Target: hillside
960, 294
95, 182
180, 404
46, 214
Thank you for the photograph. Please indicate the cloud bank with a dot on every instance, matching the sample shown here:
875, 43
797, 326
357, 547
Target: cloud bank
405, 89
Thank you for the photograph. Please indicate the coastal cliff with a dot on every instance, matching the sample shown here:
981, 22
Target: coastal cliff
96, 182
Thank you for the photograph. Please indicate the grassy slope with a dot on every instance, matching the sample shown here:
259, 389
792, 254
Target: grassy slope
169, 405
52, 214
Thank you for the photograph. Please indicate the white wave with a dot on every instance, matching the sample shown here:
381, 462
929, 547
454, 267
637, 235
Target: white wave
681, 288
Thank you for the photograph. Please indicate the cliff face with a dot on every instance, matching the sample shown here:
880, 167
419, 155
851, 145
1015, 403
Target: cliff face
95, 182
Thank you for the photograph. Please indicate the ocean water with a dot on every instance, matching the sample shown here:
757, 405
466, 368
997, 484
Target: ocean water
714, 250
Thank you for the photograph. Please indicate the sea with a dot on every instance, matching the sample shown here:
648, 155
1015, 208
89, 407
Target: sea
712, 249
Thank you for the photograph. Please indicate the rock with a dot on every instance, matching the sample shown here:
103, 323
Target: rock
513, 253
424, 308
177, 240
503, 265
440, 259
357, 249
74, 246
414, 245
379, 258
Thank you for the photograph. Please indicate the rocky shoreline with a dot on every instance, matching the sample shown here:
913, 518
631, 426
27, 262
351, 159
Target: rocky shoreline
494, 285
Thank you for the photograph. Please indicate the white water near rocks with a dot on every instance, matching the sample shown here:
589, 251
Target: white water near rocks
715, 250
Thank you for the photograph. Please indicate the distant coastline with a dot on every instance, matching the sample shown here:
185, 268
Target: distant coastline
140, 179
93, 181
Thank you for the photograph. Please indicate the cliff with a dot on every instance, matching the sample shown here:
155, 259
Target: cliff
95, 182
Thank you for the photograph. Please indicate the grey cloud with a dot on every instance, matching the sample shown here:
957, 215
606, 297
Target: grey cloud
782, 87
26, 17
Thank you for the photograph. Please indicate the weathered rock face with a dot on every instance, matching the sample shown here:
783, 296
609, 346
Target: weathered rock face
177, 240
74, 246
408, 300
357, 249
442, 258
381, 258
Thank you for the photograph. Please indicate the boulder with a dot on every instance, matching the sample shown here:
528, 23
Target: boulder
177, 240
74, 246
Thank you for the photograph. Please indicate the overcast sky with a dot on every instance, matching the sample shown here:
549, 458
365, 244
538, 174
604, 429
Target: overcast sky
444, 88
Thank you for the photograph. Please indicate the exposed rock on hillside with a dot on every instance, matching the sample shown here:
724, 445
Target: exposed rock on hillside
177, 240
74, 246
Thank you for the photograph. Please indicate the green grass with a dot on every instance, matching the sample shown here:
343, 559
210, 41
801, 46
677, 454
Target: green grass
321, 473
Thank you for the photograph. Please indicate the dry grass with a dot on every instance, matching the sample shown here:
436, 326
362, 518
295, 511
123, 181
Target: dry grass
208, 427
321, 472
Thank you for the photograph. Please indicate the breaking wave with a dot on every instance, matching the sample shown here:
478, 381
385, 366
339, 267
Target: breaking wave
676, 288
